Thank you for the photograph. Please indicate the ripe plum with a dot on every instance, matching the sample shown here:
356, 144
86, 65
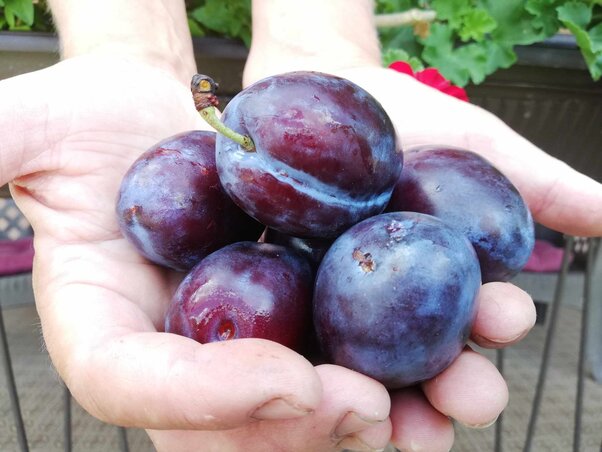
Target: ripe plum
324, 157
470, 194
247, 289
395, 297
172, 207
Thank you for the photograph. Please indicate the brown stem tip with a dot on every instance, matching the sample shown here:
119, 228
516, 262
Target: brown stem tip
203, 90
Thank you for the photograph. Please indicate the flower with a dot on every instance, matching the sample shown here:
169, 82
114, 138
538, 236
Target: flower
431, 77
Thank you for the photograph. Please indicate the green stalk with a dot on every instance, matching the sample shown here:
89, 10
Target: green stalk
209, 115
203, 92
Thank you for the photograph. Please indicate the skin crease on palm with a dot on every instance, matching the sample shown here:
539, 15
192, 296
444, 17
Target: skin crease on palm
69, 134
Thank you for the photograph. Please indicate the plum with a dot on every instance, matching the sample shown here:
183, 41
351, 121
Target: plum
172, 207
470, 194
246, 289
395, 297
313, 154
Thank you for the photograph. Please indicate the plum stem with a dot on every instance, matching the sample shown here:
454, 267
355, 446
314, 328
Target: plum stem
203, 92
209, 115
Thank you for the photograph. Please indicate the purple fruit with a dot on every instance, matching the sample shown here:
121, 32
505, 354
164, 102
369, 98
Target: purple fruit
395, 297
172, 207
247, 289
470, 194
325, 154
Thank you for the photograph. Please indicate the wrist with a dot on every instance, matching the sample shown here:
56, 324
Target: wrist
154, 32
311, 35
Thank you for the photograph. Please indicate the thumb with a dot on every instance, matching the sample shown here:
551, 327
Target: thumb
164, 381
23, 115
124, 372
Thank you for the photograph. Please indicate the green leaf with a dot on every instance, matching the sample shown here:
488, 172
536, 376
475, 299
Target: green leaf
595, 68
416, 63
232, 18
21, 9
469, 62
439, 53
544, 14
452, 11
476, 24
595, 36
474, 58
400, 38
195, 28
392, 55
499, 56
10, 18
578, 14
515, 23
393, 6
576, 17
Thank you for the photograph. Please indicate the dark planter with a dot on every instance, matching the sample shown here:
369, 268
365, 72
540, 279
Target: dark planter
549, 97
223, 59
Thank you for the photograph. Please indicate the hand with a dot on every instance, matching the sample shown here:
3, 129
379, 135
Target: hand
101, 305
471, 390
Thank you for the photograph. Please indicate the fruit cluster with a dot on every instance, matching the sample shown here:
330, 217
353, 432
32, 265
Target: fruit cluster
303, 222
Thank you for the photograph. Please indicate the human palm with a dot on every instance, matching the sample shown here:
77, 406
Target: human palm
101, 305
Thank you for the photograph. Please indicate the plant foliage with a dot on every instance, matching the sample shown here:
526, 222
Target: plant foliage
471, 39
467, 41
24, 15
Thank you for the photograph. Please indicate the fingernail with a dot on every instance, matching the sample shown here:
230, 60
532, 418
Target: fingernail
415, 447
481, 426
497, 343
279, 408
354, 443
352, 423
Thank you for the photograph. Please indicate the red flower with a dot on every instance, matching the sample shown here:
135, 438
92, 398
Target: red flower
431, 77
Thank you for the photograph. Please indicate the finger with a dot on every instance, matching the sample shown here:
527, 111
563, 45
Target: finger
355, 407
352, 414
23, 116
417, 426
124, 372
559, 197
506, 314
471, 390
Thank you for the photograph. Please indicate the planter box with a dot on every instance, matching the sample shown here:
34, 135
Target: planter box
550, 99
223, 59
26, 52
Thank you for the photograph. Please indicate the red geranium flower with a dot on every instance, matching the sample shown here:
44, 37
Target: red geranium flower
431, 77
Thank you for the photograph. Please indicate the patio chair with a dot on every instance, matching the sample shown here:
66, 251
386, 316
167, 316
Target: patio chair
16, 257
574, 277
16, 254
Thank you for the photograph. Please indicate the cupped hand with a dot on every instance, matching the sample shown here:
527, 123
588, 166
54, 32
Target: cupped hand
102, 306
69, 134
471, 390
